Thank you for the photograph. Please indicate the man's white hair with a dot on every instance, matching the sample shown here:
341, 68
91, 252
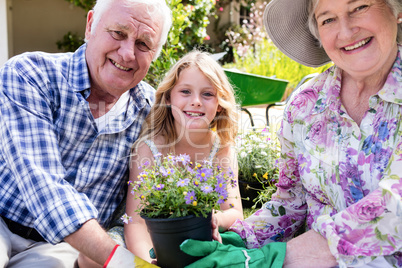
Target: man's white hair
158, 9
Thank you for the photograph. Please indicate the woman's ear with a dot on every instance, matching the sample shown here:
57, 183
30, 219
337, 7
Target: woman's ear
219, 109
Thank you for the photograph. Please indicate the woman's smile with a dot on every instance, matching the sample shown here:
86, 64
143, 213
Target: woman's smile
357, 45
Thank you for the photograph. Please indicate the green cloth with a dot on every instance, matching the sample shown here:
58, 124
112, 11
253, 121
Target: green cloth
232, 238
233, 253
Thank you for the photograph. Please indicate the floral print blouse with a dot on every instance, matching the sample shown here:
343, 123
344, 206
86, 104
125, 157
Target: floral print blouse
336, 177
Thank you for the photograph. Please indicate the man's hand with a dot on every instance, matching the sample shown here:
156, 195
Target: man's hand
216, 254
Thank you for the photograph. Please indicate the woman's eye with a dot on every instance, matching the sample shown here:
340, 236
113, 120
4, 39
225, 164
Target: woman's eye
327, 21
361, 7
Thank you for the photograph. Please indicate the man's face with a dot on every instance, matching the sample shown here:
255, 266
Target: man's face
120, 50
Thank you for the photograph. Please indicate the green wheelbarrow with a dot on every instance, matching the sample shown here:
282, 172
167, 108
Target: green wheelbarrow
256, 90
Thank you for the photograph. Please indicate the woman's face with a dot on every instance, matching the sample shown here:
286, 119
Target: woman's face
358, 35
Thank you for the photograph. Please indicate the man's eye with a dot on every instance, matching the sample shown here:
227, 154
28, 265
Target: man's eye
118, 35
142, 46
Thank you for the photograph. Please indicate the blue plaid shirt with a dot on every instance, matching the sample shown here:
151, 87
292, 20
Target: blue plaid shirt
56, 169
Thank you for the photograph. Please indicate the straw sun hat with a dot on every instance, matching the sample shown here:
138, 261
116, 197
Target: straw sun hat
286, 24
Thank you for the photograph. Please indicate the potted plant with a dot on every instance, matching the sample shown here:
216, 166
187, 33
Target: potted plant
258, 153
177, 199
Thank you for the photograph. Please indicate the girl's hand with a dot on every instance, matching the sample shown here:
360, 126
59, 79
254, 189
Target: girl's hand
215, 229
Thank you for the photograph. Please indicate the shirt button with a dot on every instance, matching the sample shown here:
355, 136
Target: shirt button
373, 101
84, 170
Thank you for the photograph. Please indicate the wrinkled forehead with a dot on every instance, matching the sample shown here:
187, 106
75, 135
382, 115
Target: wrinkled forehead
142, 10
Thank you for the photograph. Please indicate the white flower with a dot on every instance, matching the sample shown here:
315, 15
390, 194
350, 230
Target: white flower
243, 154
125, 218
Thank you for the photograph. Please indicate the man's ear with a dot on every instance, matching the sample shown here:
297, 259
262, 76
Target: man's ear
88, 27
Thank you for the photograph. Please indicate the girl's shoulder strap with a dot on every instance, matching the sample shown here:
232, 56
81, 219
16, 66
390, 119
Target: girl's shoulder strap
214, 149
154, 151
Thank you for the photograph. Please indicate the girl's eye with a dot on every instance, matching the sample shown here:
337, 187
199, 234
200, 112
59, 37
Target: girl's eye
209, 94
185, 91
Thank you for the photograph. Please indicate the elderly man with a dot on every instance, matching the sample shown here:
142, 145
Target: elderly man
67, 122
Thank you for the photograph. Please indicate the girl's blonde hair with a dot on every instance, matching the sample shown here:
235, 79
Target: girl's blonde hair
160, 119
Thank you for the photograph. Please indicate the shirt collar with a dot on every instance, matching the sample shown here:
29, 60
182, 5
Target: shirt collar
328, 90
78, 74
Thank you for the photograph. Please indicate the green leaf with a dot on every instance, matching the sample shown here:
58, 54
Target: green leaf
282, 211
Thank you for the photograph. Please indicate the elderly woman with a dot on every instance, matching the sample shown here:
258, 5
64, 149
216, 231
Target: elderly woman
341, 168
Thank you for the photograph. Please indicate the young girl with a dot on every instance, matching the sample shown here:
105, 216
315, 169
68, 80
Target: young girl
194, 98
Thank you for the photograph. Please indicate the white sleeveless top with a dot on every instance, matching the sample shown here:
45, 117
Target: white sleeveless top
154, 150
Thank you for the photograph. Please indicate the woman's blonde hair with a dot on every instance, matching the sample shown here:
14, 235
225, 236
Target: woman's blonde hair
160, 119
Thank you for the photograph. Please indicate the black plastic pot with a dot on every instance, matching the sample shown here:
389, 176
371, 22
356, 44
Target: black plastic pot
249, 191
168, 234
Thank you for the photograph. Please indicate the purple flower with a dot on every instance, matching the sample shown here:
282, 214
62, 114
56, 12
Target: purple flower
190, 170
220, 186
163, 171
207, 188
190, 197
158, 187
318, 133
183, 182
183, 158
230, 173
146, 163
171, 158
222, 198
204, 173
304, 164
126, 219
368, 209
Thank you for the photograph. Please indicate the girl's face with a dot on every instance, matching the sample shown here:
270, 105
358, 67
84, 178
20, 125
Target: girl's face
193, 100
359, 36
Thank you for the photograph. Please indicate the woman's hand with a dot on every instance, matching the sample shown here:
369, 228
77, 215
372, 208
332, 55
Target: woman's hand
215, 229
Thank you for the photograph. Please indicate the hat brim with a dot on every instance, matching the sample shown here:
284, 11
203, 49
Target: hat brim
286, 22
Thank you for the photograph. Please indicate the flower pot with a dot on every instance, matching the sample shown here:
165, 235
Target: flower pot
250, 190
168, 234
